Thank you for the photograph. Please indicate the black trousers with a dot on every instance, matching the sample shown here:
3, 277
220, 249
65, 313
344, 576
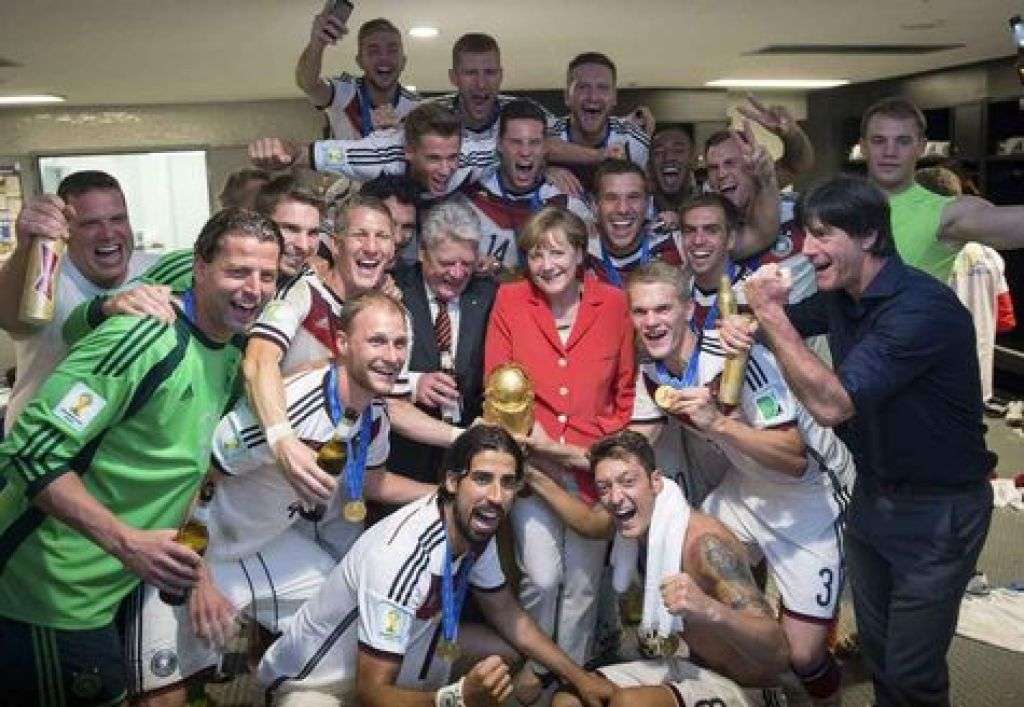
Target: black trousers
910, 555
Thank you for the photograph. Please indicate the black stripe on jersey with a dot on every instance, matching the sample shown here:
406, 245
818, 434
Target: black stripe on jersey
162, 371
755, 374
267, 333
420, 566
173, 269
36, 442
121, 365
712, 346
253, 435
175, 262
428, 537
175, 275
17, 532
377, 152
323, 650
127, 343
283, 290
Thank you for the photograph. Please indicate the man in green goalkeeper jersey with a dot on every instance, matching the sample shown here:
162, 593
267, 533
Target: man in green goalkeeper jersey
129, 413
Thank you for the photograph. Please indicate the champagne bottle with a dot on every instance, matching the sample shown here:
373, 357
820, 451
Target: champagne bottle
731, 386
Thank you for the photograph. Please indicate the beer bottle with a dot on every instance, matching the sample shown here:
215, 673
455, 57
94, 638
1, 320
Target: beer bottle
38, 293
331, 458
193, 533
452, 414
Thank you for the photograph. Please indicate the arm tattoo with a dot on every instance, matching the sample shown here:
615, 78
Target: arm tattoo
733, 583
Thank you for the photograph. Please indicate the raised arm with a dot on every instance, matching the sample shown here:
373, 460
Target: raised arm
43, 217
265, 387
327, 29
761, 222
798, 152
970, 218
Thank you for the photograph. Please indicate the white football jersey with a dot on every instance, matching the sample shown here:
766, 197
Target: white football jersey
350, 106
383, 152
254, 503
302, 319
385, 595
503, 213
798, 507
479, 144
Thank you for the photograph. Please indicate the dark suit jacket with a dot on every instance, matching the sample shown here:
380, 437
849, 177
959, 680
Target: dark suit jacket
410, 458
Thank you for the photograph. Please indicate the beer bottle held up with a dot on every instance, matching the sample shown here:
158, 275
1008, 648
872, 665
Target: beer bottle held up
193, 534
452, 414
39, 292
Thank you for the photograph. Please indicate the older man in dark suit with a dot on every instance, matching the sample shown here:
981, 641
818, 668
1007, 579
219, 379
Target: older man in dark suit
449, 306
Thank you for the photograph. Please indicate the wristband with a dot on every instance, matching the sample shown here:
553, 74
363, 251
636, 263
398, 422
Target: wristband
450, 696
275, 433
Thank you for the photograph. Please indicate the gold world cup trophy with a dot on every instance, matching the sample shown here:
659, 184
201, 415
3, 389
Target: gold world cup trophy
731, 385
508, 399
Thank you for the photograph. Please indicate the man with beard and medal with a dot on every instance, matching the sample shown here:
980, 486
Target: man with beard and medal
384, 628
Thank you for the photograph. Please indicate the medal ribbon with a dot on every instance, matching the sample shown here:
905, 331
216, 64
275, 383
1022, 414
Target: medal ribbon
613, 274
454, 587
357, 450
366, 107
535, 205
188, 303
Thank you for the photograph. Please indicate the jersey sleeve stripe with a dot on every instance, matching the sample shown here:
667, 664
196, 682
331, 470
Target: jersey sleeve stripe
128, 342
173, 262
418, 569
756, 373
120, 367
297, 412
398, 585
268, 333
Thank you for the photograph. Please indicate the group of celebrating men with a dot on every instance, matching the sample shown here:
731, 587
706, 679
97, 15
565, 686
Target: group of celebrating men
298, 329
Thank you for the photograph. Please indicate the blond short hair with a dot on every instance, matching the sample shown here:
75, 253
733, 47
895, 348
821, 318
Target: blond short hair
552, 218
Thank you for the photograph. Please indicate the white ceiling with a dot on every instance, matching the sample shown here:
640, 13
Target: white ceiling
146, 51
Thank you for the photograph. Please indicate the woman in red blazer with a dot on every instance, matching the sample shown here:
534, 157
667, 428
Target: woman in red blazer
575, 339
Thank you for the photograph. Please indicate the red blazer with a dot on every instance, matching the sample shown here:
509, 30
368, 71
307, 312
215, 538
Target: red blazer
584, 389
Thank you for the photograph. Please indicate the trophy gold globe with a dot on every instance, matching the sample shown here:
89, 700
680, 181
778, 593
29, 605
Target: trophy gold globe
508, 399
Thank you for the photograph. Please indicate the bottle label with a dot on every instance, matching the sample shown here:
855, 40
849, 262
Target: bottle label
49, 259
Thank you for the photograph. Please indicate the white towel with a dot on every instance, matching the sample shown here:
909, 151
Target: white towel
664, 557
996, 618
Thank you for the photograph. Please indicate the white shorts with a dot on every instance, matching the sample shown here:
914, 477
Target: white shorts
690, 684
809, 573
270, 585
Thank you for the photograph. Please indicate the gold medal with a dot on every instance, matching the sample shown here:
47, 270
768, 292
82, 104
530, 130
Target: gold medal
355, 511
664, 396
448, 651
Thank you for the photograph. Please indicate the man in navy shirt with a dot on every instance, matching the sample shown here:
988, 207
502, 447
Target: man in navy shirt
905, 397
